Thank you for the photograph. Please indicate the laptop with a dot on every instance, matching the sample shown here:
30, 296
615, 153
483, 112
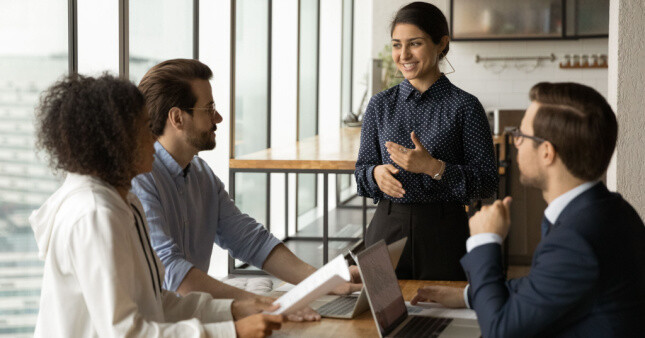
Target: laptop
350, 306
388, 307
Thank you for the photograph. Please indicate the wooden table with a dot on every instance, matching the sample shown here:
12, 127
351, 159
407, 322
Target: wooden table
362, 326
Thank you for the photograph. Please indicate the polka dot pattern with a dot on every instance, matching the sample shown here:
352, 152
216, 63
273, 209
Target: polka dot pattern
451, 125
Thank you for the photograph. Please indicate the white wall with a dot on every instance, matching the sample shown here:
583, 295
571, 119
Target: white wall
499, 87
626, 89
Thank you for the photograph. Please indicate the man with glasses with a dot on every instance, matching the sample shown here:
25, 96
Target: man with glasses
186, 205
588, 273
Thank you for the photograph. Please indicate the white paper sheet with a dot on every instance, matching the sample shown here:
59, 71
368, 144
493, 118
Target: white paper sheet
438, 310
284, 287
319, 283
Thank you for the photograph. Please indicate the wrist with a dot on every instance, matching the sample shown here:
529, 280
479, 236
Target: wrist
436, 169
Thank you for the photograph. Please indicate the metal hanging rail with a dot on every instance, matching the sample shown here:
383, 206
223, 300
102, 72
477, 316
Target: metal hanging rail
515, 58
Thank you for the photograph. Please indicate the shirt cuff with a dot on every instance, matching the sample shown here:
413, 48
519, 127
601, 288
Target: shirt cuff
481, 239
370, 178
466, 296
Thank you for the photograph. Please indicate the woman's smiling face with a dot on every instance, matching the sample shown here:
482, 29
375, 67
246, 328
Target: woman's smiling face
414, 53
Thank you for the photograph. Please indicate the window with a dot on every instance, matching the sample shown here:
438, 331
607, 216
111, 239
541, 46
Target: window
33, 54
307, 100
158, 30
251, 114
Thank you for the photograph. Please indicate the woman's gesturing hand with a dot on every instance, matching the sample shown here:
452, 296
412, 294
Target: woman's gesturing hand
386, 182
417, 160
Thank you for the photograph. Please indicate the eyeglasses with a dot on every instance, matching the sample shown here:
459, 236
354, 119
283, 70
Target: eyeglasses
518, 137
211, 110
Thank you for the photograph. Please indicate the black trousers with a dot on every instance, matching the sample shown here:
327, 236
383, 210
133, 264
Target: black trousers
436, 232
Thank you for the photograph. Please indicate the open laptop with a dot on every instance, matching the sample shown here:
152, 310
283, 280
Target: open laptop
350, 306
388, 307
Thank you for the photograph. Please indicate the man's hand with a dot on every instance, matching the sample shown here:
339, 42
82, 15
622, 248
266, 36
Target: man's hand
258, 325
494, 218
417, 160
386, 182
306, 314
248, 307
354, 284
447, 296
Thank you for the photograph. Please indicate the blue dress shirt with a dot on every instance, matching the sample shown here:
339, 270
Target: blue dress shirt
451, 125
189, 210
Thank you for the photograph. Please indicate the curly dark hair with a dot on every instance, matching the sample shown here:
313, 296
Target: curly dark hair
88, 126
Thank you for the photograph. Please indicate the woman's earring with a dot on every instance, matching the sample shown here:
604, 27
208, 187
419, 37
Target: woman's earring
450, 64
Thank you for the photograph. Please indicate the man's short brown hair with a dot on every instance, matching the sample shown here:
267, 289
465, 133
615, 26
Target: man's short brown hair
167, 85
579, 123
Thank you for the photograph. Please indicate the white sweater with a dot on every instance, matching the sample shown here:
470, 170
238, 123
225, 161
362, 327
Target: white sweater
102, 277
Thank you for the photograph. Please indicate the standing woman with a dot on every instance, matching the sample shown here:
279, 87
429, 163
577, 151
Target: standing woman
426, 150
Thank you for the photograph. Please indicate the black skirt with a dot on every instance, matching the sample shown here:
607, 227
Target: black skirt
437, 234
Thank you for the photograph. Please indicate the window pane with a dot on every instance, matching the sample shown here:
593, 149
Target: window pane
251, 100
159, 30
346, 72
33, 54
98, 37
307, 96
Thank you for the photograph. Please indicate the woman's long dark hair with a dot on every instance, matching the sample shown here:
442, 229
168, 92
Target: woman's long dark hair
427, 17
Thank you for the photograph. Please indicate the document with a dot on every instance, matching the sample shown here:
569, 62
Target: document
321, 282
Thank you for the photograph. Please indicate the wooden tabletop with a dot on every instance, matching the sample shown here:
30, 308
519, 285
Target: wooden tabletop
335, 151
362, 326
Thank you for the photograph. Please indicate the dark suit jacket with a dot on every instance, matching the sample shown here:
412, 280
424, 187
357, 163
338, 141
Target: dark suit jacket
587, 278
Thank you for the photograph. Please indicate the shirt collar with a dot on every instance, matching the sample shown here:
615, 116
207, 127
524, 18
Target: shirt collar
168, 161
554, 209
436, 89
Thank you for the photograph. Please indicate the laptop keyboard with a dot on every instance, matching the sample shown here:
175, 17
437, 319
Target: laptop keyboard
339, 306
424, 327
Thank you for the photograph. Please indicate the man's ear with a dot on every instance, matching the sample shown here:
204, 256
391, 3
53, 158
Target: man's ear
548, 153
176, 118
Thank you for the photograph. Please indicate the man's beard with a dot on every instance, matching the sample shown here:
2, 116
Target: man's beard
537, 181
202, 141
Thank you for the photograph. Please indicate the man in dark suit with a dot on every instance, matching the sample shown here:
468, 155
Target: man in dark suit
587, 278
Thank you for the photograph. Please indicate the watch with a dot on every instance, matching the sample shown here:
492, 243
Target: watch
438, 175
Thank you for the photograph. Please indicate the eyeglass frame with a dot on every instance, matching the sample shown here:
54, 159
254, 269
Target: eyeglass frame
212, 110
518, 136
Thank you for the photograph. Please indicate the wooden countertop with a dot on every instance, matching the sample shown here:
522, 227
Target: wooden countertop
362, 326
336, 151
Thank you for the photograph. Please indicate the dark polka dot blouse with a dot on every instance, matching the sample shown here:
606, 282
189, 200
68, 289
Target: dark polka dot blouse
451, 125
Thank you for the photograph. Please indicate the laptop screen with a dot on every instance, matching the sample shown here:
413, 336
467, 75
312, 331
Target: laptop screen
382, 287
